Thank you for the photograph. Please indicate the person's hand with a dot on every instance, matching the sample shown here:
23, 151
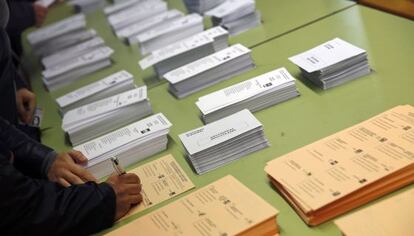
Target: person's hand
26, 104
67, 169
127, 189
40, 14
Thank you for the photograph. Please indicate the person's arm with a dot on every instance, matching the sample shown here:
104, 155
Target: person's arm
22, 16
31, 157
39, 207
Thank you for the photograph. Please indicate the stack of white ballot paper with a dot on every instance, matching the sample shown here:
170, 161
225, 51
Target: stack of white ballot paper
119, 6
136, 13
129, 33
209, 70
129, 144
201, 6
61, 34
223, 141
185, 51
165, 34
254, 94
111, 85
92, 120
332, 63
73, 69
236, 16
72, 52
87, 5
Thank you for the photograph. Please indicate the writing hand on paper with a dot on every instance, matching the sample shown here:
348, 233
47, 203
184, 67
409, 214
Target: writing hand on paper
26, 104
127, 189
67, 169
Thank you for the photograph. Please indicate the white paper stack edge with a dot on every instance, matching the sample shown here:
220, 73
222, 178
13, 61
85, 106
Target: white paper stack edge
61, 34
111, 85
119, 6
236, 16
45, 3
185, 51
165, 34
209, 70
73, 69
332, 63
129, 33
226, 140
201, 6
72, 52
136, 13
254, 94
95, 119
87, 6
129, 144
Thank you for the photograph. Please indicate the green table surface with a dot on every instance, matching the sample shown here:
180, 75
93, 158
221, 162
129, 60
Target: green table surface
292, 124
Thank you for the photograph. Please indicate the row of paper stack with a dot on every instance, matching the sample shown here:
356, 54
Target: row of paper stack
151, 24
69, 51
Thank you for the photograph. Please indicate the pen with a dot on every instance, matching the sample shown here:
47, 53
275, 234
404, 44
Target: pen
117, 167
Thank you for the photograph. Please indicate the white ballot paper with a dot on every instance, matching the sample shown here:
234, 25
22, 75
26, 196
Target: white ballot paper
130, 32
161, 179
120, 6
223, 141
129, 144
165, 34
71, 52
253, 94
136, 13
332, 63
73, 69
209, 70
116, 83
187, 45
70, 24
236, 16
97, 118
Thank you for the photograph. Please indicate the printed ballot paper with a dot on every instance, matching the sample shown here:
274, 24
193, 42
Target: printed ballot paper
333, 63
348, 169
393, 216
165, 34
116, 83
129, 144
236, 16
95, 119
72, 70
225, 207
221, 142
209, 70
254, 94
161, 179
185, 51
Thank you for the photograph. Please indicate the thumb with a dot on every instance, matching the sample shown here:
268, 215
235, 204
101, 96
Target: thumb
78, 157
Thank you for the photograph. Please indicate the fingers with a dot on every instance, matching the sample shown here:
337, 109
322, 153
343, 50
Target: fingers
78, 157
131, 178
83, 174
71, 178
135, 199
133, 189
63, 182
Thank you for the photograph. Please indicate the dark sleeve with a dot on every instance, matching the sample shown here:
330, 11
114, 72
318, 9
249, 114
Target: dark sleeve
39, 207
22, 16
30, 156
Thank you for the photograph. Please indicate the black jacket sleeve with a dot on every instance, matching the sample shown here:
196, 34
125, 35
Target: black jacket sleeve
39, 207
30, 157
22, 16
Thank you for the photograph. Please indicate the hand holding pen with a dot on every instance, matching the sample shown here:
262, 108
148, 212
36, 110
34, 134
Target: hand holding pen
127, 188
